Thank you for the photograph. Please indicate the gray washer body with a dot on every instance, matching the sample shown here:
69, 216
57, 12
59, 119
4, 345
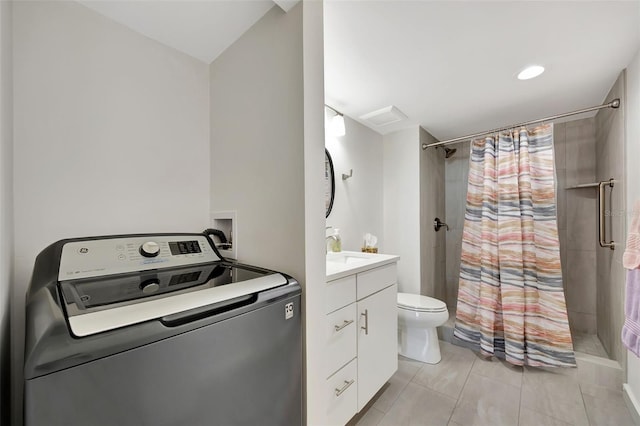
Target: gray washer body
233, 365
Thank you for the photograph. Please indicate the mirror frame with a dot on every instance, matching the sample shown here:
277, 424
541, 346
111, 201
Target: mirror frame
329, 176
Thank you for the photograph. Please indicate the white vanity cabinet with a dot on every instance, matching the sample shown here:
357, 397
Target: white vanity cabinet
378, 331
361, 351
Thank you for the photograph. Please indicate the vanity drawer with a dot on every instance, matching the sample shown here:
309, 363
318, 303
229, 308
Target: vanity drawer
341, 335
342, 394
375, 280
340, 293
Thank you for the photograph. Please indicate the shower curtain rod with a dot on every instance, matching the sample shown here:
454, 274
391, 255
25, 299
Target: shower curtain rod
613, 104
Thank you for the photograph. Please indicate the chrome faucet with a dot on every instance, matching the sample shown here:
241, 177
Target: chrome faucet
327, 239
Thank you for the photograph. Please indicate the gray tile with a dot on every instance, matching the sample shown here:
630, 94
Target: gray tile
561, 198
604, 373
579, 122
485, 401
581, 219
585, 343
562, 233
605, 406
581, 281
453, 249
581, 164
449, 375
371, 418
418, 405
583, 323
599, 348
555, 393
406, 370
532, 418
498, 370
452, 293
455, 209
559, 145
588, 344
453, 168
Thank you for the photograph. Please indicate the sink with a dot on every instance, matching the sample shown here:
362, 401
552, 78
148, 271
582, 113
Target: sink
345, 263
345, 258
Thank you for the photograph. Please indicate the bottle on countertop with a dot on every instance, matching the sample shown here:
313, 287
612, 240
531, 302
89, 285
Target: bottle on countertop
337, 243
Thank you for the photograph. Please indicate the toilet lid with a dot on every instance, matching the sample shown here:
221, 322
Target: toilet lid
418, 302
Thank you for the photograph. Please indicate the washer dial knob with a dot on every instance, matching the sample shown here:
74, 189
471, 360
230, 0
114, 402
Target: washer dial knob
150, 249
150, 286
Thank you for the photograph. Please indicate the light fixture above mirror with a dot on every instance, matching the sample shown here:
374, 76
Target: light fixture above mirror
335, 126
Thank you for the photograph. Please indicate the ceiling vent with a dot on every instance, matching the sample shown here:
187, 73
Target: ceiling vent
384, 116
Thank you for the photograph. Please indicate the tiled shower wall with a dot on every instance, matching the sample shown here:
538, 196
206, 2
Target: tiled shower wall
610, 163
432, 244
456, 176
577, 221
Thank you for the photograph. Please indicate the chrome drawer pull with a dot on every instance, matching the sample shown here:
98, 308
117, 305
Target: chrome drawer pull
365, 314
345, 387
344, 324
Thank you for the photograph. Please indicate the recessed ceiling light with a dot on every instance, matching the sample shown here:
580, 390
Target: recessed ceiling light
530, 72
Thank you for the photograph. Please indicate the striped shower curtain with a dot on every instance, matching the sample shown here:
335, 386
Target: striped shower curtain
510, 300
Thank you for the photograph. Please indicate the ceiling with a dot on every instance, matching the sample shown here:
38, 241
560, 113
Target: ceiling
200, 28
449, 66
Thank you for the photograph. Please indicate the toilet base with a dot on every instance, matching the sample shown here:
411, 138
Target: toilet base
420, 344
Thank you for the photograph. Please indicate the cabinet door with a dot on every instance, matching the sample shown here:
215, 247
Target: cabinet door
377, 342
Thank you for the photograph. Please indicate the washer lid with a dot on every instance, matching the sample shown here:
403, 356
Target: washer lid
417, 302
210, 288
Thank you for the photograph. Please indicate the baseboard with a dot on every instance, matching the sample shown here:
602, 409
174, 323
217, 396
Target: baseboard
632, 403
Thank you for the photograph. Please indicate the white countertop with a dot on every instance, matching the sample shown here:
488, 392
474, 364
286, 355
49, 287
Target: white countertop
344, 263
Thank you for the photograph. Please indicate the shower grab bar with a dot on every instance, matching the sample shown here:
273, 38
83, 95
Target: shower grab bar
602, 232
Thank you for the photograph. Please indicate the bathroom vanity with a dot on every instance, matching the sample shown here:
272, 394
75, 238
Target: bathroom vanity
361, 352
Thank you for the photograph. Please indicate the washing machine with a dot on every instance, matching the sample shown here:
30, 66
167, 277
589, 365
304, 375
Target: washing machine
159, 329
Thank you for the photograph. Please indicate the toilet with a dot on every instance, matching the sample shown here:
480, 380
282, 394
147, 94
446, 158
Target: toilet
418, 317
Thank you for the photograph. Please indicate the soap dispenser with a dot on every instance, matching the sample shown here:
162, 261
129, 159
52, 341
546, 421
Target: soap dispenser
337, 242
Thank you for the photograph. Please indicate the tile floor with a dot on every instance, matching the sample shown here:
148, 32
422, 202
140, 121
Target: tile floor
465, 389
588, 344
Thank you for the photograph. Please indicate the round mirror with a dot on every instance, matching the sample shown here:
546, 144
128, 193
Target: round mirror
329, 183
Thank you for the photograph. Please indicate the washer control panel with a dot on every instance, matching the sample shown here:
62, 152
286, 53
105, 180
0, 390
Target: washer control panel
96, 258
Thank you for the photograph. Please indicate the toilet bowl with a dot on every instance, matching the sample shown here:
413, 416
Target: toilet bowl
418, 317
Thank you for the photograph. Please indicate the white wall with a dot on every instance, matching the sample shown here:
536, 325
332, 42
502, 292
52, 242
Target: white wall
257, 151
111, 136
267, 160
401, 204
632, 387
315, 265
357, 207
6, 204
